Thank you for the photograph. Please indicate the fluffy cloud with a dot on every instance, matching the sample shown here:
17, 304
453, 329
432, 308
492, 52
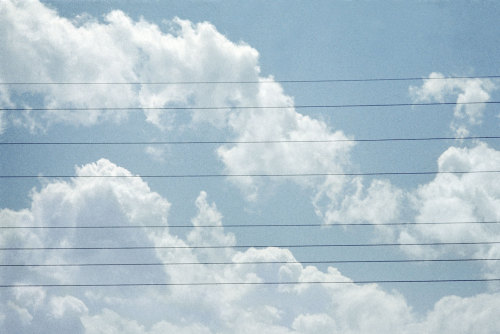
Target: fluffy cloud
471, 197
464, 90
119, 49
342, 308
463, 315
447, 198
460, 198
109, 321
45, 47
379, 203
283, 158
42, 314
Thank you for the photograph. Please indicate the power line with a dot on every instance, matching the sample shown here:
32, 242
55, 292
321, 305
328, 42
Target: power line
253, 246
313, 106
180, 176
277, 141
243, 226
251, 81
247, 262
470, 280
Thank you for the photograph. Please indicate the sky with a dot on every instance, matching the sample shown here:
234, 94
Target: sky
71, 158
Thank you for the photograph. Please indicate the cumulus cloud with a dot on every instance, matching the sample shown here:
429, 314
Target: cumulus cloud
463, 90
119, 49
45, 47
460, 198
342, 308
379, 203
283, 158
471, 197
47, 314
464, 315
109, 321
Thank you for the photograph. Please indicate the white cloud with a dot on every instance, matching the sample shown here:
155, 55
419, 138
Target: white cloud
453, 314
41, 46
125, 50
67, 304
23, 314
315, 323
459, 198
30, 297
165, 327
111, 322
447, 198
343, 308
119, 49
282, 158
43, 314
379, 203
464, 90
3, 122
156, 153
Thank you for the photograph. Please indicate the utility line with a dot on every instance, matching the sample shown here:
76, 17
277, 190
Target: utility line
180, 176
251, 81
313, 106
277, 141
471, 280
246, 262
252, 246
243, 226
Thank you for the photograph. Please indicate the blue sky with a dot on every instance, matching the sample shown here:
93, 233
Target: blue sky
173, 41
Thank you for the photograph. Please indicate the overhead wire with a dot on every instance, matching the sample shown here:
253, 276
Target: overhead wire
247, 262
311, 106
184, 176
212, 82
271, 141
458, 243
242, 225
466, 280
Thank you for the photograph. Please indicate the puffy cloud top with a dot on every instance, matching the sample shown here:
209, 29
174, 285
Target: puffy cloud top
343, 308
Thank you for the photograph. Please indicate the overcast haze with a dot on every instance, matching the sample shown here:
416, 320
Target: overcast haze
68, 67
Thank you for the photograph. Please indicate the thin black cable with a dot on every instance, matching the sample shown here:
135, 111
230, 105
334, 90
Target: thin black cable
181, 176
470, 280
242, 226
252, 246
277, 141
324, 106
251, 81
247, 262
